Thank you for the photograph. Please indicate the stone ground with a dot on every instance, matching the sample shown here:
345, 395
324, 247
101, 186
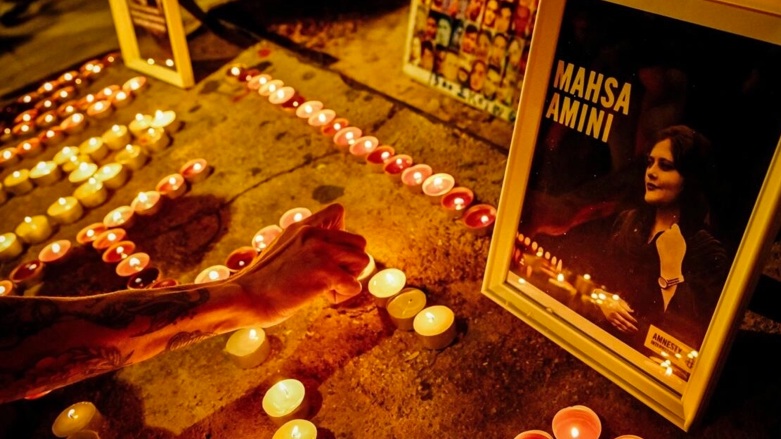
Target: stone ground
499, 378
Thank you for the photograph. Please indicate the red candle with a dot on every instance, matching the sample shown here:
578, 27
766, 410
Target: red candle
257, 81
364, 146
118, 251
88, 234
213, 274
165, 283
27, 274
107, 92
480, 218
240, 258
332, 128
46, 119
414, 176
56, 252
122, 216
172, 186
457, 200
105, 239
292, 104
293, 216
395, 165
282, 95
132, 264
145, 278
195, 170
52, 136
29, 148
347, 136
147, 203
265, 236
7, 288
376, 159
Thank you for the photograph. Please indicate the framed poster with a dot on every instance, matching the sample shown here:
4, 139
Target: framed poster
472, 50
642, 187
152, 39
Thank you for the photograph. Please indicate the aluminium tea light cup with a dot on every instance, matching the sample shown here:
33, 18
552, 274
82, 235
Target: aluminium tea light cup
534, 434
435, 327
172, 186
296, 429
394, 166
386, 284
107, 238
34, 229
94, 147
45, 173
56, 252
147, 203
265, 236
413, 177
10, 246
576, 422
195, 170
112, 175
118, 251
212, 274
346, 137
376, 159
80, 417
91, 193
18, 182
116, 137
145, 278
293, 216
66, 210
286, 400
437, 185
363, 146
27, 274
89, 233
120, 217
403, 308
240, 258
457, 201
308, 108
132, 264
248, 347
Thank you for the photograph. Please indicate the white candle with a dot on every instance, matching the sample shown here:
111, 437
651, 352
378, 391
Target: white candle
386, 284
308, 108
367, 272
140, 124
45, 173
166, 120
107, 238
293, 216
132, 156
213, 274
91, 193
18, 182
65, 210
437, 185
265, 236
435, 326
281, 95
248, 347
154, 139
403, 308
116, 137
286, 400
94, 147
113, 175
296, 429
82, 173
34, 229
10, 246
82, 416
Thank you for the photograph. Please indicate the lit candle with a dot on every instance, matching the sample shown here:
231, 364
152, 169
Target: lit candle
94, 147
91, 193
46, 119
576, 422
363, 146
321, 117
140, 124
45, 173
113, 175
7, 288
52, 136
265, 236
74, 123
270, 87
74, 162
46, 87
166, 120
132, 264
66, 109
248, 347
108, 238
332, 128
282, 95
65, 210
135, 85
99, 109
457, 200
154, 139
116, 137
27, 274
413, 177
65, 154
257, 81
23, 129
121, 99
145, 278
122, 217
34, 229
403, 308
376, 159
30, 148
82, 416
85, 102
308, 108
118, 251
18, 182
147, 203
534, 434
106, 93
435, 326
213, 274
480, 218
286, 400
293, 216
347, 136
368, 271
88, 234
296, 429
82, 173
10, 246
386, 284
195, 170
132, 156
235, 72
26, 116
56, 252
172, 186
9, 157
394, 166
240, 258
437, 185
45, 104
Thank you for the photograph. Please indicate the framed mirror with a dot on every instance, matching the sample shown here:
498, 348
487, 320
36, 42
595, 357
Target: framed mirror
642, 187
152, 39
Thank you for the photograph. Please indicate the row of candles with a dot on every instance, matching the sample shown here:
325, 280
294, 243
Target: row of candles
420, 178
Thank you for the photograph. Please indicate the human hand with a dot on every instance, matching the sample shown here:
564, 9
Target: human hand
671, 247
309, 258
617, 312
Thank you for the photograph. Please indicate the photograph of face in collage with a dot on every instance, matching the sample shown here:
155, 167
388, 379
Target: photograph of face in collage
474, 47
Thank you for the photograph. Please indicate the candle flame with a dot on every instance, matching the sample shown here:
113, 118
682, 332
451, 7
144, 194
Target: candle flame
108, 91
321, 118
83, 166
560, 277
27, 146
296, 433
139, 117
484, 219
62, 201
272, 88
115, 128
2, 290
48, 118
69, 109
197, 166
151, 131
142, 198
121, 96
41, 165
16, 174
438, 181
280, 93
307, 108
56, 247
150, 61
298, 217
159, 114
27, 99
134, 262
47, 103
616, 297
2, 239
169, 62
25, 128
574, 432
337, 126
214, 275
92, 180
417, 176
431, 317
283, 387
120, 250
263, 80
112, 236
385, 155
78, 117
93, 141
26, 118
235, 71
48, 86
90, 233
72, 414
99, 106
7, 154
253, 334
50, 134
63, 94
117, 216
28, 220
68, 76
172, 181
458, 202
349, 135
90, 98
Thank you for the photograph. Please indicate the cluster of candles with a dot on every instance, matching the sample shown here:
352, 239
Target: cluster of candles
440, 188
107, 237
575, 422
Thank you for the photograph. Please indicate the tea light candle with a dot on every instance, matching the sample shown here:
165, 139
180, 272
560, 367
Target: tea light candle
166, 120
403, 308
394, 166
116, 137
82, 416
7, 288
132, 156
235, 72
293, 216
270, 87
106, 93
576, 422
9, 157
74, 123
213, 274
10, 246
195, 170
65, 93
296, 429
265, 236
56, 252
18, 182
282, 95
52, 136
321, 117
135, 85
256, 81
112, 175
74, 162
240, 258
91, 193
145, 278
376, 159
122, 217
165, 283
413, 177
308, 108
172, 186
534, 434
47, 87
480, 218
457, 200
65, 154
108, 238
386, 284
34, 229
332, 128
132, 264
26, 116
88, 234
154, 139
94, 147
628, 436
23, 129
147, 203
363, 146
82, 173
435, 326
347, 137
140, 124
437, 185
66, 109
45, 173
27, 274
248, 347
65, 210
46, 119
99, 109
367, 272
45, 104
85, 102
286, 400
30, 148
118, 251
121, 99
